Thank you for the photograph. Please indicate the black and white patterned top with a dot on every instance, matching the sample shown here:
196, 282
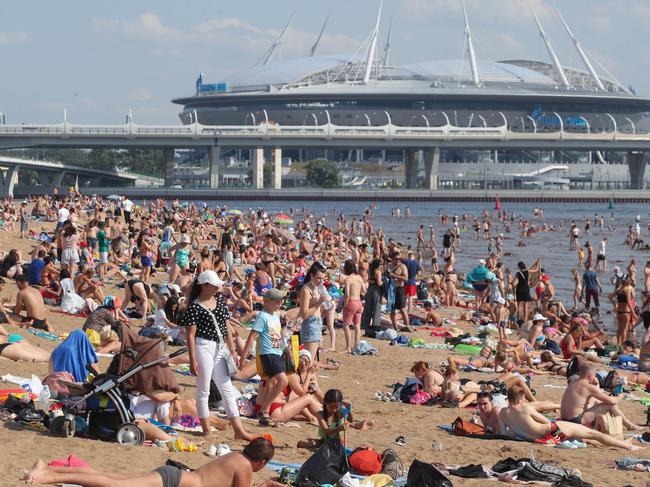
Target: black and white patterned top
199, 316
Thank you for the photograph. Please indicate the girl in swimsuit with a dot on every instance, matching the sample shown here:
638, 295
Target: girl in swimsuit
21, 349
483, 359
549, 363
622, 300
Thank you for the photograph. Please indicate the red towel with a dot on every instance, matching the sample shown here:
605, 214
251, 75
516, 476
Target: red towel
71, 461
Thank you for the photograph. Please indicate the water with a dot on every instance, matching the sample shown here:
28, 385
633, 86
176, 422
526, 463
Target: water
552, 247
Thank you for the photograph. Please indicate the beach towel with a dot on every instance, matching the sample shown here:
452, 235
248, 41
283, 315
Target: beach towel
44, 335
73, 355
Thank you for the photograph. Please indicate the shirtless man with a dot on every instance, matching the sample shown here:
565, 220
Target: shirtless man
398, 272
233, 469
583, 400
354, 286
521, 420
32, 302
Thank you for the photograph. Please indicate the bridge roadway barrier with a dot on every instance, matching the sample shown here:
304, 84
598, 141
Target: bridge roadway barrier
367, 196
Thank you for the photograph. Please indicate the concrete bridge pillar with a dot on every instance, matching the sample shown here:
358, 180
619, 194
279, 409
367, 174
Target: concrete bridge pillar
168, 161
8, 181
258, 168
431, 165
277, 168
359, 155
636, 163
214, 158
411, 167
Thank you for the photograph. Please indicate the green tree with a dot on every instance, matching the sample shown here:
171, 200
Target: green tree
323, 174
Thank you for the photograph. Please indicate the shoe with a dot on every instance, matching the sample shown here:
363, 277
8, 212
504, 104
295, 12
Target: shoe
265, 420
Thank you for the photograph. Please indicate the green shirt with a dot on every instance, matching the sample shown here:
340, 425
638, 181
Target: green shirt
102, 241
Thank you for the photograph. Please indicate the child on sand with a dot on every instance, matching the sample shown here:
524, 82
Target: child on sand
335, 418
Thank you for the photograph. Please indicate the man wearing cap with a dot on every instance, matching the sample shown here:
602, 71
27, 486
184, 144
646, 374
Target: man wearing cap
271, 347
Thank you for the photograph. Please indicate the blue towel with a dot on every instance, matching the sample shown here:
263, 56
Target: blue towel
73, 355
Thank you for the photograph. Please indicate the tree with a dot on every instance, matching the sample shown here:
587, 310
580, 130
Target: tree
323, 174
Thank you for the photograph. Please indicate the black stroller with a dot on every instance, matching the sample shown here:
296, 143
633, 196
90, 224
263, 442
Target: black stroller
138, 367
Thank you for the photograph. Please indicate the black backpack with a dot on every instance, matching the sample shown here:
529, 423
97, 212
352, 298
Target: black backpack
408, 391
426, 475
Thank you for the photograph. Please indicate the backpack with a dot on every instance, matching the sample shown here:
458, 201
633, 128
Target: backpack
545, 472
426, 475
411, 387
461, 427
420, 397
365, 461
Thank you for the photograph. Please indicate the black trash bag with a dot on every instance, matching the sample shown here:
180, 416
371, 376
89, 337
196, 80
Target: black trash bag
426, 475
326, 466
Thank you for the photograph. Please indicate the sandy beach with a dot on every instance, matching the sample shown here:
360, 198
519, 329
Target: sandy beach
359, 378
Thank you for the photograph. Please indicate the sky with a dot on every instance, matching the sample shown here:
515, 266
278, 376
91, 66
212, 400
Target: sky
100, 59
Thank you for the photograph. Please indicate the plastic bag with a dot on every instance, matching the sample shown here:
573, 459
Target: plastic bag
326, 466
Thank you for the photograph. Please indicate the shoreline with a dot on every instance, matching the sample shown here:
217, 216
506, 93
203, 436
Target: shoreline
316, 194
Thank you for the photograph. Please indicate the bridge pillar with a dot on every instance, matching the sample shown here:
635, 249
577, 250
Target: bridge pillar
277, 168
636, 163
8, 180
431, 165
214, 157
168, 161
411, 167
359, 155
258, 168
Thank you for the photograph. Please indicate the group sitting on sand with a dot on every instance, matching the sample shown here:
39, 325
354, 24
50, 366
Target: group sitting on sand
253, 298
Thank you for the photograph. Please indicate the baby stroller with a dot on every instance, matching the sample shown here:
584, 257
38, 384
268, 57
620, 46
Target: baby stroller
138, 367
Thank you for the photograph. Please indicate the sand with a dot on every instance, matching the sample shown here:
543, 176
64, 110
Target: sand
359, 378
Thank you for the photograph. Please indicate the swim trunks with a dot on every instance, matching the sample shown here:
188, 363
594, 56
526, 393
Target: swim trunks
39, 324
171, 476
3, 346
554, 437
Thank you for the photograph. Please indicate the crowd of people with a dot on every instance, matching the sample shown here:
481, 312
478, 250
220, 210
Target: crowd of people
252, 294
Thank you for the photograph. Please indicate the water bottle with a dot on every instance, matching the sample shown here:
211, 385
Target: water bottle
43, 399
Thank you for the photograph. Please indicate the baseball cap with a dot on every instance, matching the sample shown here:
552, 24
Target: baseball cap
539, 317
275, 295
481, 262
210, 277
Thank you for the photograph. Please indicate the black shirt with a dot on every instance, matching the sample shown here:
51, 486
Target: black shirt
198, 315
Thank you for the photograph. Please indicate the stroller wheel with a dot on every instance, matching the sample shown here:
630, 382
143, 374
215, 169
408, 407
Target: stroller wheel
130, 434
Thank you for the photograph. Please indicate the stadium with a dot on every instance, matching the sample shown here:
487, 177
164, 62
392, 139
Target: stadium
368, 89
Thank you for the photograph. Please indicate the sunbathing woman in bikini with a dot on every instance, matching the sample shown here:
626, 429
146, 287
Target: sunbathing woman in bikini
479, 362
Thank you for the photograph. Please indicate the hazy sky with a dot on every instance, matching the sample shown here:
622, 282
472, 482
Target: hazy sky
99, 59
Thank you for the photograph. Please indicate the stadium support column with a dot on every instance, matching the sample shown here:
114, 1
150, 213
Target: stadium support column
431, 165
258, 168
636, 163
277, 168
7, 182
411, 167
214, 157
168, 161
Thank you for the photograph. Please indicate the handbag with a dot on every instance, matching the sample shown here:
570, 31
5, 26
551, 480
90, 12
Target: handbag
611, 425
227, 356
420, 397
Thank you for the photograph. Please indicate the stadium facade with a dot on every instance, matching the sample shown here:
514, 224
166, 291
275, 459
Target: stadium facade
368, 89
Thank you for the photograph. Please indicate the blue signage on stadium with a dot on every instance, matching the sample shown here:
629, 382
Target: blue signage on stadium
553, 121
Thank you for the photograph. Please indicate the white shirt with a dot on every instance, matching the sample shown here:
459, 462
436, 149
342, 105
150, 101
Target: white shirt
603, 246
63, 215
127, 204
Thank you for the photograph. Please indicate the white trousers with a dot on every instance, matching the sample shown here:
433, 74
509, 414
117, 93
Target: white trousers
212, 366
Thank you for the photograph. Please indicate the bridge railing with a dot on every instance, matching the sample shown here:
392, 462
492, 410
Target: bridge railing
327, 131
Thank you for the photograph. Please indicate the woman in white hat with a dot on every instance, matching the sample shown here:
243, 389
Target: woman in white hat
210, 344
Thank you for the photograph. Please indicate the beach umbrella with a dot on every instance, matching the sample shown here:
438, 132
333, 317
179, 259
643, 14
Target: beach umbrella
113, 197
234, 211
283, 219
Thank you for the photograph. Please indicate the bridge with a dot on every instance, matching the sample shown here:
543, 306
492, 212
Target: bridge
427, 140
51, 175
